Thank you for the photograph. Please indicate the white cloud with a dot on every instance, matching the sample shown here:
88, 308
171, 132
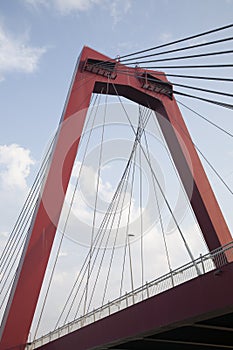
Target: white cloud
37, 3
15, 162
116, 8
17, 55
64, 6
165, 37
67, 6
196, 42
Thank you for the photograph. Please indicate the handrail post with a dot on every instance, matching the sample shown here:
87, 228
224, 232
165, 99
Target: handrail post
202, 263
172, 278
147, 290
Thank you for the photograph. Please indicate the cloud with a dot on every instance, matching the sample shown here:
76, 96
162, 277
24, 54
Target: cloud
17, 55
68, 6
36, 3
165, 37
15, 163
79, 228
116, 8
64, 6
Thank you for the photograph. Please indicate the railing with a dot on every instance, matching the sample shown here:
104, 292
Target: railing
208, 262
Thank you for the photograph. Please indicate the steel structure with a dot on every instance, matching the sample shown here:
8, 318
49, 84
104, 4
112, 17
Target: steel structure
97, 73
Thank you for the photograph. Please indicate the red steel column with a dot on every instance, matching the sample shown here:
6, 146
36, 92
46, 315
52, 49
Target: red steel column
25, 292
193, 176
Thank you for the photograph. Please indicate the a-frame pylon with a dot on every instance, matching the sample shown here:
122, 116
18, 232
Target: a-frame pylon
97, 73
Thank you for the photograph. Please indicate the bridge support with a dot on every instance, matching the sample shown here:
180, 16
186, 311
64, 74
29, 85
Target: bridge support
98, 73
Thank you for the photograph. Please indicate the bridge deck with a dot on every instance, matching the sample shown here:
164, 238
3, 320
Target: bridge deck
197, 314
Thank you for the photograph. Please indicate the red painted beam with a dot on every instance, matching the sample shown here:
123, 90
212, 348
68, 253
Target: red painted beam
27, 285
133, 84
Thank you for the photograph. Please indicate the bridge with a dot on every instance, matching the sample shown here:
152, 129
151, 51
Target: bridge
190, 306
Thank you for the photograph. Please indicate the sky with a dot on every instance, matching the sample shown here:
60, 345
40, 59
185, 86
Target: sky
39, 44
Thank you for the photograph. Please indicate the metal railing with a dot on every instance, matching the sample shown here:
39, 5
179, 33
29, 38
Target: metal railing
205, 263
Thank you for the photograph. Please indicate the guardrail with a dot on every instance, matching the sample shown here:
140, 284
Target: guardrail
205, 263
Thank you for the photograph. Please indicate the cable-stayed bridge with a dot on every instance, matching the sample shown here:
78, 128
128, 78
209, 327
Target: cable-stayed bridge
118, 298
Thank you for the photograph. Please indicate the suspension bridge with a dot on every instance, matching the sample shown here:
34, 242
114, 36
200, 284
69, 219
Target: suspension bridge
113, 250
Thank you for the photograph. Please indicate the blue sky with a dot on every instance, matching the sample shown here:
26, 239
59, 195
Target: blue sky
39, 44
42, 39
